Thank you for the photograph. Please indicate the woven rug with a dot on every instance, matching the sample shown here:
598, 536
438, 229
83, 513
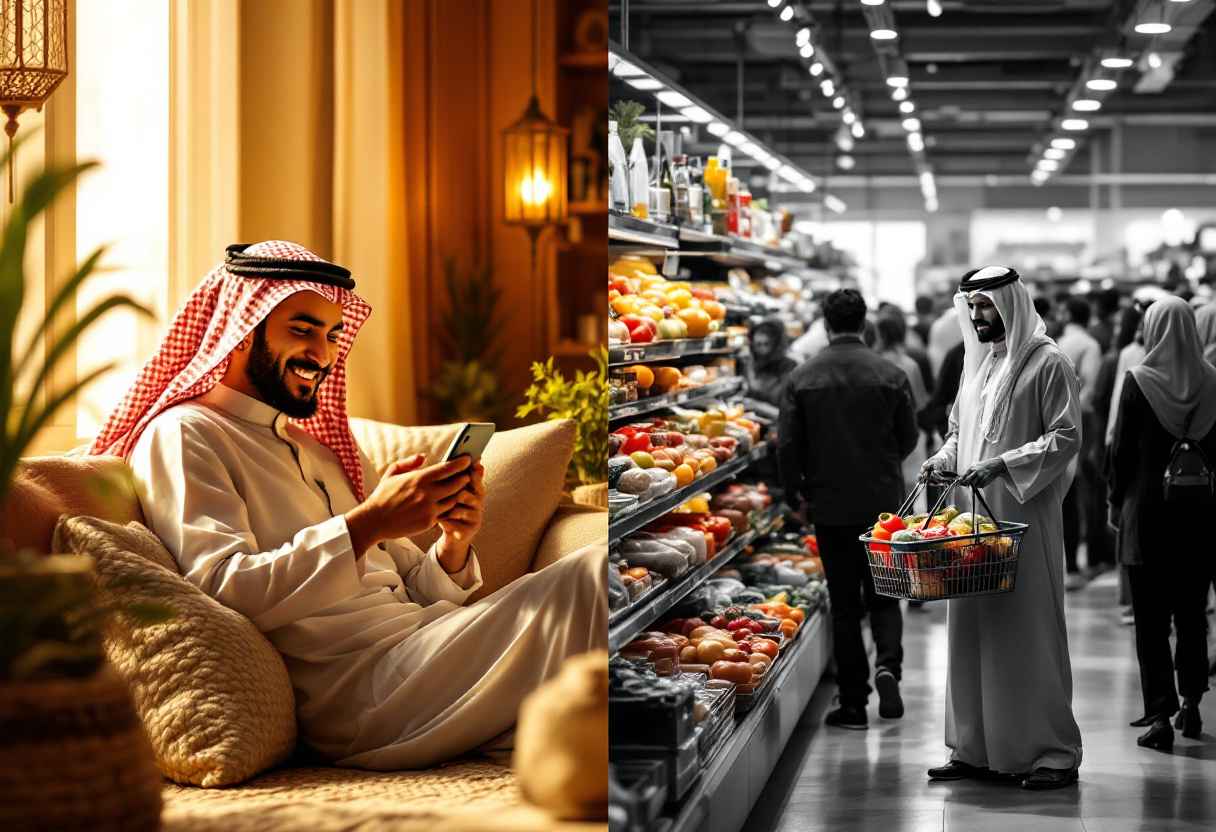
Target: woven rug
463, 796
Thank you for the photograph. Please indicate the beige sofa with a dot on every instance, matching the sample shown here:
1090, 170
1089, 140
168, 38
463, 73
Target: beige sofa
526, 510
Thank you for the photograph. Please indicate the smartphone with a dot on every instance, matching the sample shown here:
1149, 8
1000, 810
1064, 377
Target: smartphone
470, 440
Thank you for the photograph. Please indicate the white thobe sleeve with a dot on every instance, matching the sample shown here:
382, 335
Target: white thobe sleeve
191, 503
426, 580
1036, 464
948, 453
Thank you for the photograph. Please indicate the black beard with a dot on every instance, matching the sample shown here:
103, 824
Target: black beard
269, 377
992, 332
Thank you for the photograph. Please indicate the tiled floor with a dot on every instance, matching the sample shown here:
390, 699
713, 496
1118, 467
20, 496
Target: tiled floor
832, 779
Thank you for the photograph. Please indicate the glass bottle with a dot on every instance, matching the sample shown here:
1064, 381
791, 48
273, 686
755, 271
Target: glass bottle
639, 180
618, 170
681, 188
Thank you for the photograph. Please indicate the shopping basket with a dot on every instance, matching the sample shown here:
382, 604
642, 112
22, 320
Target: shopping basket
980, 563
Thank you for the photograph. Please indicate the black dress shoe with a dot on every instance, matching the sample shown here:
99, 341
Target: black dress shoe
890, 703
1044, 778
1160, 737
1143, 722
848, 716
1188, 721
958, 770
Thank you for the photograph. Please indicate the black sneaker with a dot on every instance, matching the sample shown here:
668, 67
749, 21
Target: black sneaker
890, 703
848, 716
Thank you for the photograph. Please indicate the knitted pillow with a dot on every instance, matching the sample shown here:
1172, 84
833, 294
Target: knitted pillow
213, 694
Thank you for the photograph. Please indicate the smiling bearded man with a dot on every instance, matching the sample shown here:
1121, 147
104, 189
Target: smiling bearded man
1016, 430
238, 435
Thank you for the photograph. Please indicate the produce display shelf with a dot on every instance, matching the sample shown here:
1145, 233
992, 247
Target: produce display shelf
719, 342
733, 780
635, 619
732, 251
637, 232
715, 389
620, 526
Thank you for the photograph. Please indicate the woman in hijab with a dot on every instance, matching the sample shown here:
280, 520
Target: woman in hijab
770, 367
1168, 396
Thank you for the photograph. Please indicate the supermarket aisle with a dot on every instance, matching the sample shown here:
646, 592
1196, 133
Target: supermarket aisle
831, 779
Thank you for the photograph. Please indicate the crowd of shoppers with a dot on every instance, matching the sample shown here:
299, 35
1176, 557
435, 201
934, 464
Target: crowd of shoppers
864, 397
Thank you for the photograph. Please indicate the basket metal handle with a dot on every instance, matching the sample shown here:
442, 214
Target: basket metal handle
975, 493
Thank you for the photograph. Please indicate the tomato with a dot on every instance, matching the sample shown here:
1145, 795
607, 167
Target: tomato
718, 621
719, 527
739, 623
764, 647
744, 632
635, 443
738, 672
789, 627
642, 330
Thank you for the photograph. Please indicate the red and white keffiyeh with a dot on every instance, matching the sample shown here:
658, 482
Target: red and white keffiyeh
195, 352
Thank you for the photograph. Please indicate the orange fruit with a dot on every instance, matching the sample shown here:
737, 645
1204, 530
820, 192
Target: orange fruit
667, 377
797, 615
645, 375
625, 304
684, 474
707, 465
679, 298
788, 627
715, 310
697, 321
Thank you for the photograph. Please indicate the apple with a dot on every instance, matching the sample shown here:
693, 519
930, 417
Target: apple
641, 330
671, 329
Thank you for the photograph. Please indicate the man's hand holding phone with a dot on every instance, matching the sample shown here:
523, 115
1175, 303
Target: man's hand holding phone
461, 523
409, 499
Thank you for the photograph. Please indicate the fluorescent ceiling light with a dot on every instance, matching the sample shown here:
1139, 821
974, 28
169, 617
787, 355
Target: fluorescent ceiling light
838, 102
718, 129
897, 81
1153, 28
1074, 124
698, 115
899, 93
912, 125
1054, 153
787, 14
674, 99
789, 174
858, 130
807, 50
916, 141
1101, 84
816, 69
827, 87
834, 204
644, 83
844, 141
884, 34
803, 36
1115, 62
1064, 144
772, 163
845, 162
906, 107
624, 69
926, 179
772, 4
1087, 105
1154, 60
1049, 164
934, 7
752, 150
734, 138
872, 2
1039, 177
848, 116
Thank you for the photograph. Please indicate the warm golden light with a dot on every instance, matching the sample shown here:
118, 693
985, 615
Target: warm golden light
535, 190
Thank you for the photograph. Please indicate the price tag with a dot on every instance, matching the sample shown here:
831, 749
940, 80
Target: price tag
633, 354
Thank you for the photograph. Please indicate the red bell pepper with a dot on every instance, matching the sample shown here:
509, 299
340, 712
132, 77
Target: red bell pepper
637, 442
891, 522
879, 533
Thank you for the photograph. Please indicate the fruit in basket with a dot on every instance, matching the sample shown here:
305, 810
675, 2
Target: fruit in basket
697, 320
906, 536
890, 522
915, 520
959, 528
879, 534
935, 533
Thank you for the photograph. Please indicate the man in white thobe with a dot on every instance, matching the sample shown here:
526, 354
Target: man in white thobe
1015, 431
237, 434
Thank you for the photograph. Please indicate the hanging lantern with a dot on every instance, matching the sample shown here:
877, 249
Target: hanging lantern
534, 160
534, 163
33, 59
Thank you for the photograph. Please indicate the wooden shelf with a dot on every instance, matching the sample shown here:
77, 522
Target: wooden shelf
593, 59
588, 208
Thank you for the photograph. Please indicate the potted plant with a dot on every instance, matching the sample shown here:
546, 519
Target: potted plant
466, 388
585, 400
74, 754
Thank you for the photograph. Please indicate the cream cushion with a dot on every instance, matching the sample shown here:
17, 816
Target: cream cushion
211, 691
572, 528
525, 474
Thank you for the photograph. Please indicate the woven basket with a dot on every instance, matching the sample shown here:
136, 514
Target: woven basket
74, 756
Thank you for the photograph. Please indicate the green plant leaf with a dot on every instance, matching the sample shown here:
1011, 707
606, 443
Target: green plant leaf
65, 342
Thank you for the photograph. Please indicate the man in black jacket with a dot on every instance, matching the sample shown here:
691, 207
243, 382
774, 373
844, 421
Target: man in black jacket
847, 422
